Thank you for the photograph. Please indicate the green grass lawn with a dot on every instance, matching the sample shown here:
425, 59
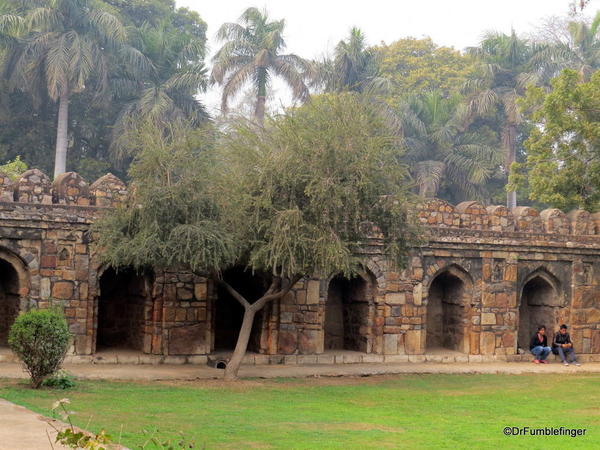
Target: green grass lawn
416, 411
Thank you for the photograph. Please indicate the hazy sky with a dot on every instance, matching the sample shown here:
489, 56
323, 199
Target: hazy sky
313, 27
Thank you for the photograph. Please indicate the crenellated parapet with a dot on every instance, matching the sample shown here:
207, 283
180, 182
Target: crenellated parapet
473, 215
108, 191
35, 187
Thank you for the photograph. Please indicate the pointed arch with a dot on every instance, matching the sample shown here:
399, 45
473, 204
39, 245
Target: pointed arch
540, 302
449, 297
349, 312
14, 288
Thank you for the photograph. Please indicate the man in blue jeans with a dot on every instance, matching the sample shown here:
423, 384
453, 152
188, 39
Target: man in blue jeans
563, 346
539, 346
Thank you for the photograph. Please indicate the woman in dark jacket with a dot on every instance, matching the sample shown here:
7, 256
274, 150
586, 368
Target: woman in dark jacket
539, 346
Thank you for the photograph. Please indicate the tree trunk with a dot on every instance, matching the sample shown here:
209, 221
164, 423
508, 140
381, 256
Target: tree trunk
261, 95
233, 367
509, 137
62, 129
275, 292
259, 112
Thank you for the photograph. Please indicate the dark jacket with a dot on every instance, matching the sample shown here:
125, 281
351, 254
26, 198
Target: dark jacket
535, 341
561, 339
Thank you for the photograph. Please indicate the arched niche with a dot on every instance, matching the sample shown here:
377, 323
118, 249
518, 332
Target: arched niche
540, 303
349, 309
14, 287
449, 297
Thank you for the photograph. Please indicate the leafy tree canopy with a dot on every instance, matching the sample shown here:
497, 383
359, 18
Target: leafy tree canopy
419, 64
290, 199
563, 160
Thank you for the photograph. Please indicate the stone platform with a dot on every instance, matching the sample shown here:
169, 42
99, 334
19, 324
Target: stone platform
330, 358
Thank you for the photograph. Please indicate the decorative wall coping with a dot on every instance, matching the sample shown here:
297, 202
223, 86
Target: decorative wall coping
35, 187
524, 219
70, 189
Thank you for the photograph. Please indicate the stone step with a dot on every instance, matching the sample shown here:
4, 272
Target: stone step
325, 358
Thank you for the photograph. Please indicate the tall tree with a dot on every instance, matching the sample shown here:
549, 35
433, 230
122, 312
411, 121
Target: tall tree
414, 65
59, 46
289, 199
580, 50
165, 88
354, 66
563, 158
251, 53
504, 73
445, 155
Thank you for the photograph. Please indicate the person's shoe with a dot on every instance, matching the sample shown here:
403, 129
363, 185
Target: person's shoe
565, 363
577, 364
544, 361
536, 361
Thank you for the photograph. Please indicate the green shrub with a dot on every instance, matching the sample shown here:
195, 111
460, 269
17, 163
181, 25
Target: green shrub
41, 339
60, 380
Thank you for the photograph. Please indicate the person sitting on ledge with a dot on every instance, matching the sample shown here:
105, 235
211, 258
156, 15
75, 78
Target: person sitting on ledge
539, 346
563, 346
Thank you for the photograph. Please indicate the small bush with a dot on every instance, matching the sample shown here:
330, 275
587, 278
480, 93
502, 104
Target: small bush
41, 339
60, 380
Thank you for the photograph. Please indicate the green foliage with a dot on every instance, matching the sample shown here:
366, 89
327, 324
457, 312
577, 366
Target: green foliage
580, 51
563, 160
171, 43
172, 219
40, 338
60, 380
291, 198
14, 168
450, 157
73, 438
505, 70
300, 189
154, 72
415, 65
354, 67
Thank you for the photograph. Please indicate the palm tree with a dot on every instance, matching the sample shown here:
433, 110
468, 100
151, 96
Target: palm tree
441, 149
580, 51
505, 72
59, 47
251, 53
164, 89
353, 66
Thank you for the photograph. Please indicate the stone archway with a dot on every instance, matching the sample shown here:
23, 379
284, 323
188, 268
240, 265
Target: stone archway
14, 284
348, 312
10, 301
540, 304
448, 304
123, 304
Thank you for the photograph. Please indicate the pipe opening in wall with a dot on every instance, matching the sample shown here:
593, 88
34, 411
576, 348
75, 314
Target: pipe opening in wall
221, 365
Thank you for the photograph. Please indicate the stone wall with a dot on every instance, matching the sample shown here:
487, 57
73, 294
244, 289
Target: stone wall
488, 268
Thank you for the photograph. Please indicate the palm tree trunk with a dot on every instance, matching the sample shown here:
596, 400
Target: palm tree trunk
62, 129
510, 145
259, 112
261, 97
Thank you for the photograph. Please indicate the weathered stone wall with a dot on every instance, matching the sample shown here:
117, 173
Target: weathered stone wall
492, 257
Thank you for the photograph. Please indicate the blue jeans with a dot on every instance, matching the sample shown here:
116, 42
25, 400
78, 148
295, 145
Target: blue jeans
564, 354
540, 352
